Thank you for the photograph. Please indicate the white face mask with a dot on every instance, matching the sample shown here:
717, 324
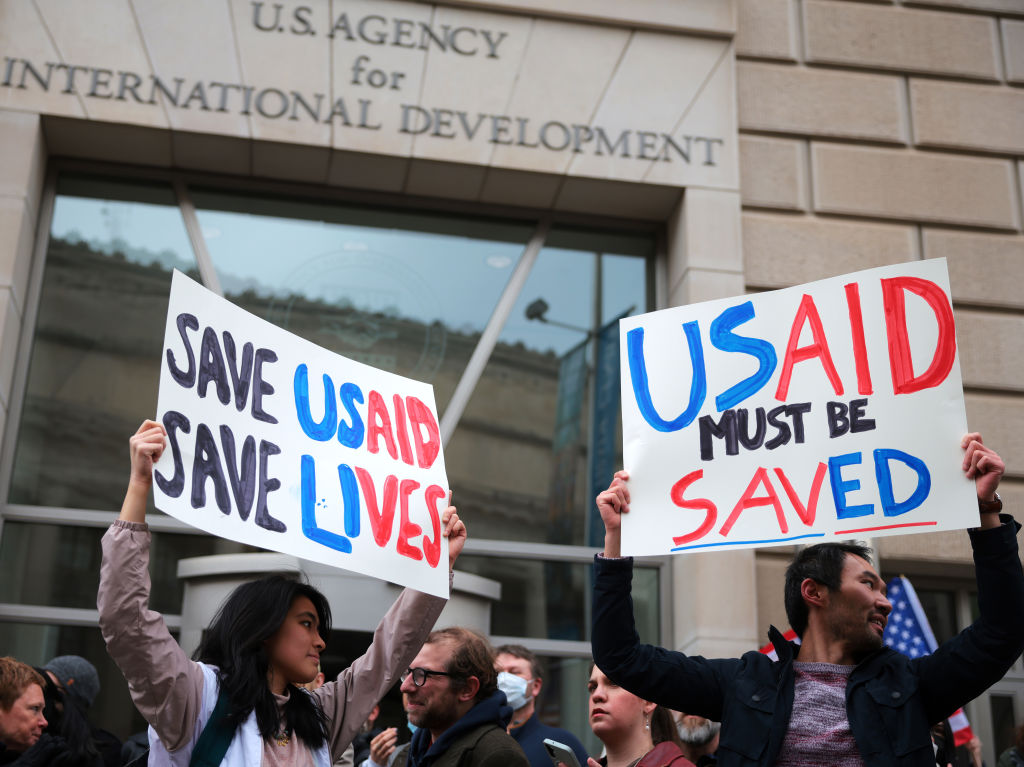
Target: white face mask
515, 689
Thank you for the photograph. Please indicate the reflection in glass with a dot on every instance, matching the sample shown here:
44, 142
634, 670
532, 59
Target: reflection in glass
96, 350
1004, 721
533, 591
523, 457
409, 293
36, 643
563, 698
59, 565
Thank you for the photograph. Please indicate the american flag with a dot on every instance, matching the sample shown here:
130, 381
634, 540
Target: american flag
908, 632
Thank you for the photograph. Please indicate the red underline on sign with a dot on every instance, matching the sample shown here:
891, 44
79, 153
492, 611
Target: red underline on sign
745, 543
885, 527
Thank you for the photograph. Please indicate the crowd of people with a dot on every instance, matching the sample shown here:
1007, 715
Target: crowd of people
254, 693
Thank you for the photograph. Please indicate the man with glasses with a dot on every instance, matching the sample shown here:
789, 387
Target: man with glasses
451, 696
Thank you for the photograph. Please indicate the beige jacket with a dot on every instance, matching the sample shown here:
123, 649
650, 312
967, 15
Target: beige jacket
167, 687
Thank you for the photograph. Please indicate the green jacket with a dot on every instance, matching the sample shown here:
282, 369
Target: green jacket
485, 746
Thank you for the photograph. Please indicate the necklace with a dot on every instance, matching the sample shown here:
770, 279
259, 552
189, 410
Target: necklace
284, 737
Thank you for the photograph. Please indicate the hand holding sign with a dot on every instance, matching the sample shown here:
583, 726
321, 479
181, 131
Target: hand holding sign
278, 443
612, 503
822, 411
145, 447
985, 467
455, 532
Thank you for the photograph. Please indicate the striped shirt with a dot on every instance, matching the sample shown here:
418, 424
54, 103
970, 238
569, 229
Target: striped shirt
819, 730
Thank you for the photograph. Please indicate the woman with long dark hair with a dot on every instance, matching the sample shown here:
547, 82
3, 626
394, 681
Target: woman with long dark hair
265, 642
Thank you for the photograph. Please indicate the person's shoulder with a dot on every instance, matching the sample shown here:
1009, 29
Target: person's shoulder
495, 746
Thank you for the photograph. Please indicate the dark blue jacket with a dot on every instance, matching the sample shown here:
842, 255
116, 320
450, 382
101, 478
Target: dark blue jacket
891, 700
531, 734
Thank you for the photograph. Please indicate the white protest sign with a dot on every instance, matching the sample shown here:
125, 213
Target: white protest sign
824, 411
278, 443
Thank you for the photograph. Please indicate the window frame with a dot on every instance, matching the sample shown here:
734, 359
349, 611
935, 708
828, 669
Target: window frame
180, 181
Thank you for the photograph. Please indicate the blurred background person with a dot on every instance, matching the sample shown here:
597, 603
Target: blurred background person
699, 738
1014, 756
520, 677
22, 721
79, 684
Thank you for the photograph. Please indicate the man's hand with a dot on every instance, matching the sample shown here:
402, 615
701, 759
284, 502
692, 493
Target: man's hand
382, 746
613, 503
985, 467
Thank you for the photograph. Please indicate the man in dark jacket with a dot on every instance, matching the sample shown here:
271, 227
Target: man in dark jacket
451, 695
841, 697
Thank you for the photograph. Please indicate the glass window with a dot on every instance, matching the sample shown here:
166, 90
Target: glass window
532, 449
37, 643
59, 565
405, 292
551, 600
940, 607
1004, 721
563, 699
96, 350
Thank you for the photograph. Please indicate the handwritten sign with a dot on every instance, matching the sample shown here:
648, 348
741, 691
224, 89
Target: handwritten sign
825, 411
278, 443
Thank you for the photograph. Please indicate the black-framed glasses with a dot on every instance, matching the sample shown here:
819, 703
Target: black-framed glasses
419, 675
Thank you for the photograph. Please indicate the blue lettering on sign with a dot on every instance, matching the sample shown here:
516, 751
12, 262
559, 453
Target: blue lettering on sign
884, 476
723, 338
841, 487
642, 389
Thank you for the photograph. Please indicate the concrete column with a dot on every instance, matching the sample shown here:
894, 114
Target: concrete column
715, 593
22, 173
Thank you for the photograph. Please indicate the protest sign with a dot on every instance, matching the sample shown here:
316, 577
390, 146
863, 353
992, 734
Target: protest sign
278, 443
825, 411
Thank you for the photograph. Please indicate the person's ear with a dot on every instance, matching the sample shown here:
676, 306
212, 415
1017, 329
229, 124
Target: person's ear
469, 689
647, 707
814, 593
536, 685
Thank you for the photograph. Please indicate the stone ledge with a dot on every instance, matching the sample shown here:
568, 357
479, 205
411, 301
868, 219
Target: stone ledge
820, 102
901, 39
915, 186
980, 118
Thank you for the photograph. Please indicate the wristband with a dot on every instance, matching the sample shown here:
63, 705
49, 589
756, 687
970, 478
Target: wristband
990, 507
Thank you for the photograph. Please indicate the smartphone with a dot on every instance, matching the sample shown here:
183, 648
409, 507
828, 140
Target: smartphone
561, 753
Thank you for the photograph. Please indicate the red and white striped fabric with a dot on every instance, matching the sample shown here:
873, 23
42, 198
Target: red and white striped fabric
769, 649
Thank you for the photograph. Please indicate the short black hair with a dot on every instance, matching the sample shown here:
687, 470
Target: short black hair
823, 564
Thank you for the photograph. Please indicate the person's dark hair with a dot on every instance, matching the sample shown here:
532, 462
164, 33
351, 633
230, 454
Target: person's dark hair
1019, 739
663, 727
472, 655
64, 717
822, 563
518, 651
236, 644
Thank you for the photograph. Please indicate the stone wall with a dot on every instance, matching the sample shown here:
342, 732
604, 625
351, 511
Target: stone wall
873, 133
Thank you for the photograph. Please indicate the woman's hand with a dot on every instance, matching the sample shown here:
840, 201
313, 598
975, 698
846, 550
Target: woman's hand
455, 532
145, 447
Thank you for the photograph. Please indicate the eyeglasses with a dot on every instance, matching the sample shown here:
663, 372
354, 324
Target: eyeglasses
419, 675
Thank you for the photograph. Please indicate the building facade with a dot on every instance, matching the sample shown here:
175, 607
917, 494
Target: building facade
469, 193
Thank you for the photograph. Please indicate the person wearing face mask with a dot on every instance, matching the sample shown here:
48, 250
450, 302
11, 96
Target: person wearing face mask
519, 677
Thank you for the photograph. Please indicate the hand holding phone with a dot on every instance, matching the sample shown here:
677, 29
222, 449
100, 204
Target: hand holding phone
560, 753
